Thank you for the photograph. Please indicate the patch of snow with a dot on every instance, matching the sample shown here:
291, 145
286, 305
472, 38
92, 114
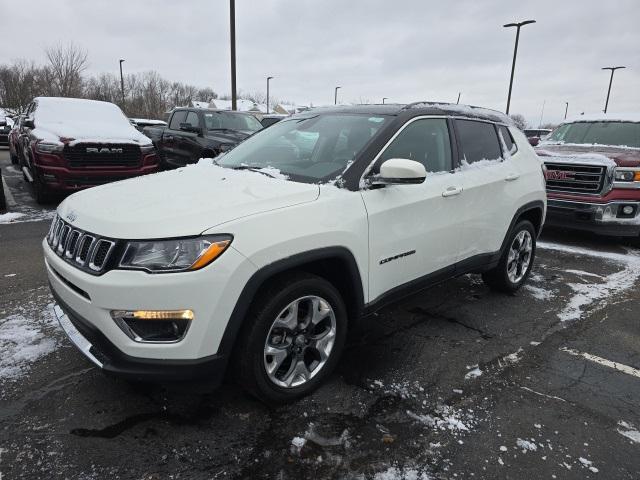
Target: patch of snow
394, 473
298, 442
479, 164
446, 418
575, 158
526, 445
23, 341
500, 461
582, 273
503, 448
274, 172
10, 217
539, 293
10, 275
513, 357
629, 431
475, 373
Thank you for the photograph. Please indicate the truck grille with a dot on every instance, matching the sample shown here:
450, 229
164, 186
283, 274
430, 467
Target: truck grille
102, 155
572, 178
86, 251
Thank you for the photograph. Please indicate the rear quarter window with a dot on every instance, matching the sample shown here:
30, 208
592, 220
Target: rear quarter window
478, 141
507, 138
177, 119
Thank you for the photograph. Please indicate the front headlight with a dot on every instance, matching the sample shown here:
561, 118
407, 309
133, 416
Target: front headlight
45, 147
177, 255
147, 149
627, 175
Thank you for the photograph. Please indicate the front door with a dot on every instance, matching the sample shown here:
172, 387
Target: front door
413, 229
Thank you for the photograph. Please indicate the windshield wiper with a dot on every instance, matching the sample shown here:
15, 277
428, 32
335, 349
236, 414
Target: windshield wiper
253, 169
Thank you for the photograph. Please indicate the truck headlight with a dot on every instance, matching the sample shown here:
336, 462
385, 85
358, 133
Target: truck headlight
175, 255
627, 175
46, 147
147, 149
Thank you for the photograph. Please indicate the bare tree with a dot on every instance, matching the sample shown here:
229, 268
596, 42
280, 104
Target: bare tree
519, 120
67, 64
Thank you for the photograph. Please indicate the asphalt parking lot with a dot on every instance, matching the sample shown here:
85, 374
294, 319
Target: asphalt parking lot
456, 382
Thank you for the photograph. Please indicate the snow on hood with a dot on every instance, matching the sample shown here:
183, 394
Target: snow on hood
577, 158
83, 121
181, 202
599, 154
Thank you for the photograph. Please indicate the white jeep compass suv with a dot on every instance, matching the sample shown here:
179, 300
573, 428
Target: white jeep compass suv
266, 254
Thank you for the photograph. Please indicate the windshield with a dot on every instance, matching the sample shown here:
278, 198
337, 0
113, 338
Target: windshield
308, 150
623, 134
231, 121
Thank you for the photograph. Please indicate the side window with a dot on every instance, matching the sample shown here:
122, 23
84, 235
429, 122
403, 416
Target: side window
479, 141
508, 139
425, 141
192, 118
177, 118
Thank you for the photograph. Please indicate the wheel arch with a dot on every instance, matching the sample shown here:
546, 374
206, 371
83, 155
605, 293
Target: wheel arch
335, 264
532, 211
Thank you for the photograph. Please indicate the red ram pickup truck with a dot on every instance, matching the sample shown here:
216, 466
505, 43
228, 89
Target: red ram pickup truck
593, 174
68, 144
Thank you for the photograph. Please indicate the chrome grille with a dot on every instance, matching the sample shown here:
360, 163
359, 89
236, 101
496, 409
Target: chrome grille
572, 178
79, 248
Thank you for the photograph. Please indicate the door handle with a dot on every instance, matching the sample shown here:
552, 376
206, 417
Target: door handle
512, 176
451, 191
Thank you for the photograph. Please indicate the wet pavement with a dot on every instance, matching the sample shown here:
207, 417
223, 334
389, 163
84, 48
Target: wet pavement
455, 382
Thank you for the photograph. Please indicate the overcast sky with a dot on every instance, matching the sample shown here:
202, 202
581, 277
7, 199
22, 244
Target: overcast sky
405, 50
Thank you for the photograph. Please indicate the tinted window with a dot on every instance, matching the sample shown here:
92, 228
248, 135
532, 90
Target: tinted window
508, 139
192, 118
177, 119
231, 121
425, 141
479, 141
603, 133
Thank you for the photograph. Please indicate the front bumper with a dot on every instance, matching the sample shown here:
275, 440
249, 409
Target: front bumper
106, 356
67, 180
599, 218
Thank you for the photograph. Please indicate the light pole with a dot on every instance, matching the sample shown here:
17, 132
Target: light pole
268, 78
458, 101
613, 69
566, 109
518, 25
383, 99
232, 30
122, 82
335, 96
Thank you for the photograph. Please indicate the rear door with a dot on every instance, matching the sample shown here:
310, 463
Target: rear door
170, 138
413, 229
189, 145
490, 180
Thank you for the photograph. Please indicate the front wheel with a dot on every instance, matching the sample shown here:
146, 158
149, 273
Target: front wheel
516, 261
292, 339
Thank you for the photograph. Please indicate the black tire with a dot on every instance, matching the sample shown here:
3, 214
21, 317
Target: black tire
249, 350
14, 158
498, 278
39, 192
3, 202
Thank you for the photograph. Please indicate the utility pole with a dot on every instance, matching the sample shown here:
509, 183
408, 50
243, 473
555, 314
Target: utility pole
268, 78
566, 109
122, 83
458, 101
518, 25
335, 96
613, 69
232, 20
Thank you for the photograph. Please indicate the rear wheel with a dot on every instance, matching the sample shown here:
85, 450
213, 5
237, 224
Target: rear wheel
14, 158
293, 338
516, 261
40, 192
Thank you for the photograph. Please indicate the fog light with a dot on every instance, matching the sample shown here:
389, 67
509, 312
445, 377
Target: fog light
627, 209
153, 326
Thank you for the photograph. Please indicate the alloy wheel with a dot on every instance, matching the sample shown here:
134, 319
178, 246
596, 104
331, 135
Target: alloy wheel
519, 256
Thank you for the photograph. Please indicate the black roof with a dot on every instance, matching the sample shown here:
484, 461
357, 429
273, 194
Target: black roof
414, 109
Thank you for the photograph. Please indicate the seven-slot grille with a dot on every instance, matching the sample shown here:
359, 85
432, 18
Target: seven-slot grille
572, 178
84, 250
102, 155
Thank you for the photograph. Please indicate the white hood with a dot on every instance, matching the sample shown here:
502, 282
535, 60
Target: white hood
179, 203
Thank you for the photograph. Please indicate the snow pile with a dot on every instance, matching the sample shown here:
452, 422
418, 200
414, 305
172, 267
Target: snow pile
629, 431
394, 473
587, 294
10, 217
526, 445
23, 341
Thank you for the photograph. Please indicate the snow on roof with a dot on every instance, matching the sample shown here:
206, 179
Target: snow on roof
469, 110
81, 119
242, 104
604, 117
148, 121
199, 104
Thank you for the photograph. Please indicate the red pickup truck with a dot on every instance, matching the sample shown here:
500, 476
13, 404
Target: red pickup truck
68, 144
593, 174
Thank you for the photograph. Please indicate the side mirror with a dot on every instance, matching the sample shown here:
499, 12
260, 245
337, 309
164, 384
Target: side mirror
187, 127
400, 171
533, 141
28, 123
